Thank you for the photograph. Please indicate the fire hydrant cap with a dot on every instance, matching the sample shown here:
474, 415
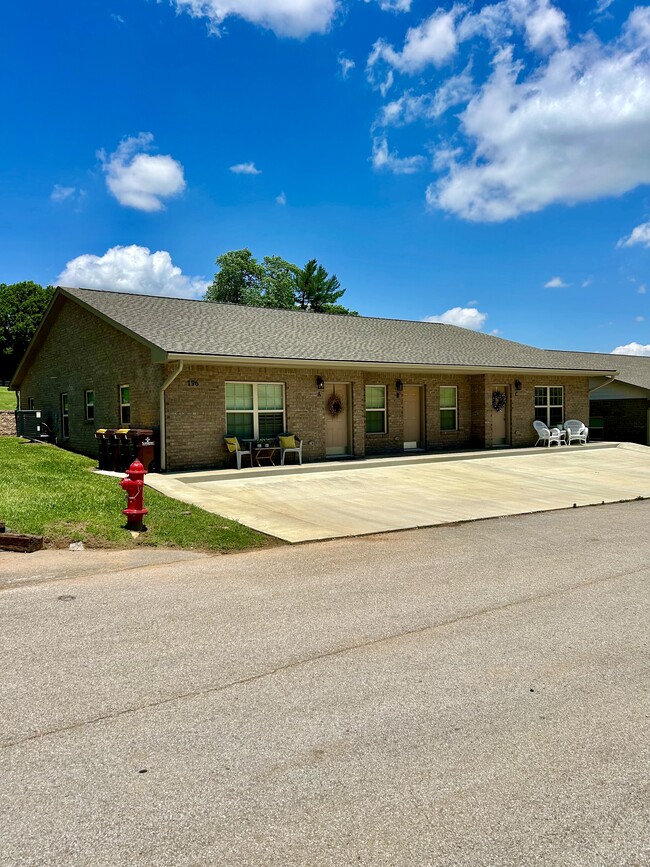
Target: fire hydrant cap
136, 469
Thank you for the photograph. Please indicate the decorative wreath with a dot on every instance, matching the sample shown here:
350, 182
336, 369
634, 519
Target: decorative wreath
334, 404
499, 400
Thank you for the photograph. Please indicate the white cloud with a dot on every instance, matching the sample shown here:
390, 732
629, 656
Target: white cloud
640, 235
60, 194
431, 43
346, 65
245, 169
393, 5
639, 318
574, 130
409, 108
632, 349
296, 18
465, 317
556, 283
281, 199
139, 180
385, 160
472, 303
131, 269
641, 290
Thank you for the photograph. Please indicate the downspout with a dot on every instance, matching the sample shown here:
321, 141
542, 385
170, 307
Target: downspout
163, 428
608, 381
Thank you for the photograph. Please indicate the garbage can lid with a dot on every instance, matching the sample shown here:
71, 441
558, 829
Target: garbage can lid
122, 430
101, 430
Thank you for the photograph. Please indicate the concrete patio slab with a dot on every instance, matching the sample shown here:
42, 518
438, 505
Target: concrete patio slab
379, 496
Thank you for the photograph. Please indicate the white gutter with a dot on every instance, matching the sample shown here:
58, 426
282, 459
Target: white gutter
163, 431
608, 381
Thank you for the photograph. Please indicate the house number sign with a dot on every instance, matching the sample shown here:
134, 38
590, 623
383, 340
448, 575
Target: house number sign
193, 383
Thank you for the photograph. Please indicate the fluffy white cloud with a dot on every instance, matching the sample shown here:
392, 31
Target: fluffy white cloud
385, 160
431, 43
575, 130
632, 349
245, 169
408, 108
131, 269
556, 283
393, 5
138, 179
640, 235
297, 18
465, 317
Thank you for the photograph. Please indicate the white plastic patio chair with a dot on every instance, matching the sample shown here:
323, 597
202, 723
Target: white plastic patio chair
545, 435
297, 448
576, 431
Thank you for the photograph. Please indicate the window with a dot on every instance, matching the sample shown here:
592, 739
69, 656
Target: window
30, 403
89, 403
448, 407
375, 409
65, 419
549, 404
125, 404
254, 410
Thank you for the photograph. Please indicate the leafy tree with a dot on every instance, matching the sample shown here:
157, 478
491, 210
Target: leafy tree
316, 290
239, 280
21, 307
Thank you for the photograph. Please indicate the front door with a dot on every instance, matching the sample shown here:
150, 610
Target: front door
337, 418
413, 436
500, 418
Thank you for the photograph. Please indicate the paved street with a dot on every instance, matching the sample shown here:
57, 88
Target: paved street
460, 695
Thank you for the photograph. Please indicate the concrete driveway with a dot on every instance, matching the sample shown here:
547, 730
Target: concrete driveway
329, 501
464, 696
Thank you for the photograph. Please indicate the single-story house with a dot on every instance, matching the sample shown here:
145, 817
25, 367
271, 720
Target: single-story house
346, 385
619, 409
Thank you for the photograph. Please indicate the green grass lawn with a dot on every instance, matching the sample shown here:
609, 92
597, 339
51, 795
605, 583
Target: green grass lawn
7, 398
50, 492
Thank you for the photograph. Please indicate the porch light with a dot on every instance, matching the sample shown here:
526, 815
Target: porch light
399, 386
320, 383
517, 385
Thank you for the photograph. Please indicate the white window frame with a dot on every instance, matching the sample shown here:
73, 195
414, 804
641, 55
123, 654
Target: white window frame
453, 409
548, 406
255, 411
88, 404
65, 415
30, 403
123, 405
383, 432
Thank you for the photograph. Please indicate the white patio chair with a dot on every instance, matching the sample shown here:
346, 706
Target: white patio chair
576, 431
290, 443
545, 435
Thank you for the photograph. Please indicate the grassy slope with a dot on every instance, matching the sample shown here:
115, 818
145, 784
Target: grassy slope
7, 398
50, 492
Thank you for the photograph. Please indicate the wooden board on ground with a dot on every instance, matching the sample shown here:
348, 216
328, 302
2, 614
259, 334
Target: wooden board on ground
20, 542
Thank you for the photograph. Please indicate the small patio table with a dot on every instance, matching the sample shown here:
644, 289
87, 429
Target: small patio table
263, 451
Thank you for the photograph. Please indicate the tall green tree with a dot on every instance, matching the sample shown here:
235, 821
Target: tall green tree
239, 279
316, 290
279, 282
21, 308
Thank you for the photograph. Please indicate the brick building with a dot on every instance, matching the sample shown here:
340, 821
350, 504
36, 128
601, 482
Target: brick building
346, 385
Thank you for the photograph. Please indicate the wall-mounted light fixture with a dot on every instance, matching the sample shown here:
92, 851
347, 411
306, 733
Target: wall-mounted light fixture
320, 383
399, 387
517, 385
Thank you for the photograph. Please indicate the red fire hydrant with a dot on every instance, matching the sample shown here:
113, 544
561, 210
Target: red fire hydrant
134, 487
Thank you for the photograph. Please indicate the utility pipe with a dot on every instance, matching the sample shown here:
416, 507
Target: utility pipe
163, 428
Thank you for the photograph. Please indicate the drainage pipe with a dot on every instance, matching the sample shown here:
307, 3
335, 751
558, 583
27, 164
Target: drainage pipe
163, 428
608, 381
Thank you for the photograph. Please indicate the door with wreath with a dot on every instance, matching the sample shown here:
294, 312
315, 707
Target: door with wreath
337, 418
500, 415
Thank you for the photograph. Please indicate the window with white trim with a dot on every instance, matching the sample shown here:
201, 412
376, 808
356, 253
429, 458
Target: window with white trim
549, 404
30, 403
376, 409
65, 416
254, 410
89, 404
125, 404
448, 408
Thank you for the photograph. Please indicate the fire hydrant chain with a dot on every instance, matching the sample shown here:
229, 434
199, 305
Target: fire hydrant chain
133, 485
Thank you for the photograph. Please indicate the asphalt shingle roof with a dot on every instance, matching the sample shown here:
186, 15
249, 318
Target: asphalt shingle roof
176, 325
633, 369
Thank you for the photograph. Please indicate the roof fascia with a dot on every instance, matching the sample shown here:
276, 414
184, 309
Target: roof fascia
247, 361
17, 378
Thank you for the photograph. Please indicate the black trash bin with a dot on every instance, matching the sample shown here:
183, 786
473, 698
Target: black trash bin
144, 447
104, 455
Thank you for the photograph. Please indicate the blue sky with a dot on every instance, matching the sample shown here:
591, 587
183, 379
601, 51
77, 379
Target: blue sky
445, 161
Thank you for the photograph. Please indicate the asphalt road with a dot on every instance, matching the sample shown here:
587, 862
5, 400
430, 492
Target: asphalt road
462, 695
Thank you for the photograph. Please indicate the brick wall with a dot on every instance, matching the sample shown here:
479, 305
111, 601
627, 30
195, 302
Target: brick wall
82, 352
196, 412
7, 424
